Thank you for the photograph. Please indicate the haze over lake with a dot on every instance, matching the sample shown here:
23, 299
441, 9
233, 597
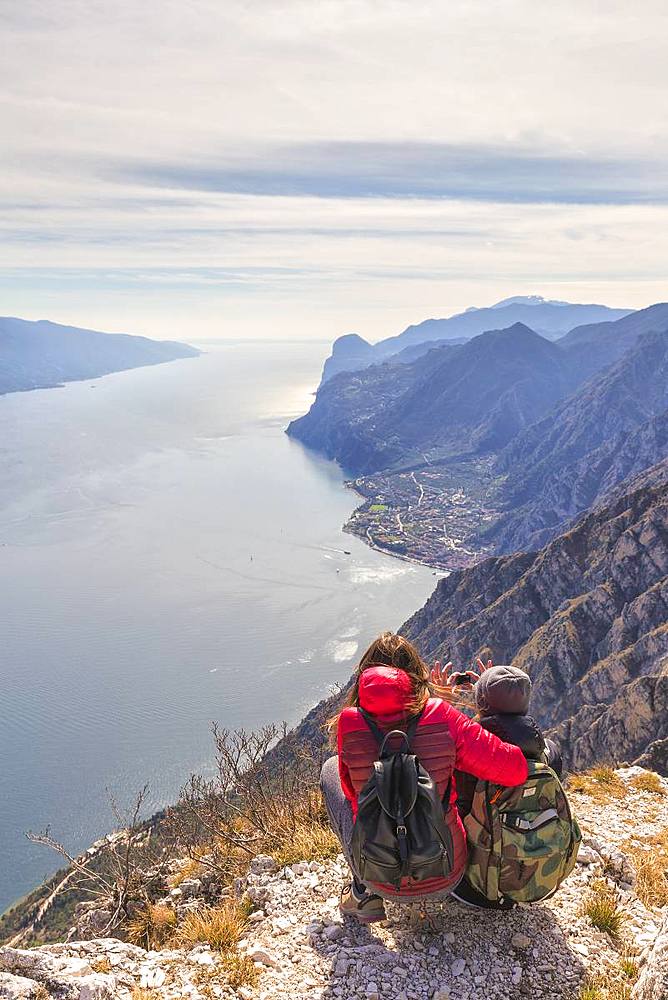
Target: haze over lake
167, 557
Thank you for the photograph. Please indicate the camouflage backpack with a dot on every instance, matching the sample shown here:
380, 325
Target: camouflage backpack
522, 841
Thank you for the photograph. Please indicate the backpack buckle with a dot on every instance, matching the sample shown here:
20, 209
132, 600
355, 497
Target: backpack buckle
403, 845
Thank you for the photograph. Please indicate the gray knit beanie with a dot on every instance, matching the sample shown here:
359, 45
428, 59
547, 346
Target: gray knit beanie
503, 689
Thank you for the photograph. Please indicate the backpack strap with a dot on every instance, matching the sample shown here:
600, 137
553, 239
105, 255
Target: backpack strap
378, 733
517, 823
411, 729
382, 737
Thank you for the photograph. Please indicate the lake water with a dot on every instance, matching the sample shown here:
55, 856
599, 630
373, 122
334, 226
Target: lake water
168, 556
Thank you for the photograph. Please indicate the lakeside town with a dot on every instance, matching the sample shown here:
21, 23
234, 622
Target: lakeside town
427, 514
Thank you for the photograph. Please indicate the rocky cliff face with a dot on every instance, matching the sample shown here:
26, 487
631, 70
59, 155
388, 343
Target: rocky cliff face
612, 428
349, 353
343, 421
295, 945
586, 617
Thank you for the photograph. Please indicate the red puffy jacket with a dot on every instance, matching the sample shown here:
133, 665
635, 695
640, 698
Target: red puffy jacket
445, 739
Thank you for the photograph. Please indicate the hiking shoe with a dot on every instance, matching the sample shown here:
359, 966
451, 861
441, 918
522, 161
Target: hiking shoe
466, 894
366, 907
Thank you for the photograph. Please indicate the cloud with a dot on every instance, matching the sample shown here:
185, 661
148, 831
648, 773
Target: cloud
308, 166
416, 170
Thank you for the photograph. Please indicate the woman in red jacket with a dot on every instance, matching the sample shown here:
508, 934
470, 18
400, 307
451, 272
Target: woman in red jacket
392, 685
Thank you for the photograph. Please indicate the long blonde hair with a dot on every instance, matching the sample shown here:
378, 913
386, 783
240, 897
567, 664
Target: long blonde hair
393, 651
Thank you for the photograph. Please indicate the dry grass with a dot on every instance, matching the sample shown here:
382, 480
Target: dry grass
605, 775
650, 861
612, 986
606, 989
139, 993
152, 927
309, 842
602, 908
219, 926
629, 967
619, 990
648, 781
233, 970
239, 970
590, 991
601, 783
101, 964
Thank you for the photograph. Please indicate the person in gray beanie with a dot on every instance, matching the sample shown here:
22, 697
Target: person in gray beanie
501, 695
502, 690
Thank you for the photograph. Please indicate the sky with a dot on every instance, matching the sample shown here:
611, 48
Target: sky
216, 168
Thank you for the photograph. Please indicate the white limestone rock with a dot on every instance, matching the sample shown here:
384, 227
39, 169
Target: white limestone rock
653, 981
19, 988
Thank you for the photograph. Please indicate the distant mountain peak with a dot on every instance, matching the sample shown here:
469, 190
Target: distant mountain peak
528, 300
350, 341
517, 335
514, 329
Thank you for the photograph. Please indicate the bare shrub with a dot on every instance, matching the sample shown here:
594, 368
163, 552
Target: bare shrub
120, 875
263, 797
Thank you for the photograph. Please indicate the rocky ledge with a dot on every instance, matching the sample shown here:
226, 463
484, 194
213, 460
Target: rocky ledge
298, 947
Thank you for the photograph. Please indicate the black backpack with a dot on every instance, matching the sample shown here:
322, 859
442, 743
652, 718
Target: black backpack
400, 830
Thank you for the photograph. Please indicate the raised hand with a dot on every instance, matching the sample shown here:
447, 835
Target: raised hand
482, 667
439, 676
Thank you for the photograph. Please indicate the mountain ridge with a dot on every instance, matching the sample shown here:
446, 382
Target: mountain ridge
40, 354
512, 426
445, 394
567, 459
596, 345
550, 319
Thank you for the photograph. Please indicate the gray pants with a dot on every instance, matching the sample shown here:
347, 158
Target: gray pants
338, 807
340, 814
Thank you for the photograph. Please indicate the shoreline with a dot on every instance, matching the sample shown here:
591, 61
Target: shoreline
437, 570
464, 516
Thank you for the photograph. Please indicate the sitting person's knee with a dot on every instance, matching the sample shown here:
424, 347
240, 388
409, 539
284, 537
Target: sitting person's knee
329, 772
